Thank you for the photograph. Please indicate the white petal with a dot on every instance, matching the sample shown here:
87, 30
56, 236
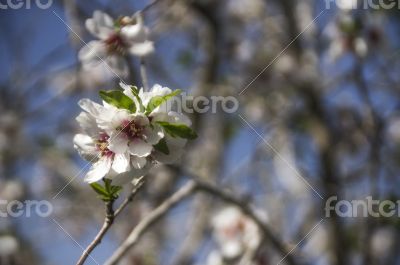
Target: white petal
175, 147
88, 123
86, 147
118, 143
121, 163
118, 66
101, 25
92, 54
140, 148
231, 249
126, 177
158, 90
179, 118
91, 107
142, 48
153, 136
127, 89
168, 159
138, 162
113, 120
136, 33
99, 170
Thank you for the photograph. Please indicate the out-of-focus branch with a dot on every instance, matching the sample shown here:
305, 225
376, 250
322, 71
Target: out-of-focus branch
374, 132
149, 220
268, 235
190, 188
97, 240
129, 198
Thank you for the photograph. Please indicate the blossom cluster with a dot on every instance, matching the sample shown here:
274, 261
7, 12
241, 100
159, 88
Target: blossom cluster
130, 131
116, 39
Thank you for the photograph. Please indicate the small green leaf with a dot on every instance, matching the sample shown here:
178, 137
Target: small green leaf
158, 100
162, 146
99, 189
135, 92
118, 99
115, 191
178, 130
107, 192
107, 185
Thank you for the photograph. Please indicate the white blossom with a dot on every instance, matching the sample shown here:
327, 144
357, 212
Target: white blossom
235, 233
109, 144
163, 113
116, 39
122, 142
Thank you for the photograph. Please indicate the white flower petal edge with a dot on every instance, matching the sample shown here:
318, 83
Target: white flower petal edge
86, 147
99, 169
140, 148
121, 163
92, 54
101, 25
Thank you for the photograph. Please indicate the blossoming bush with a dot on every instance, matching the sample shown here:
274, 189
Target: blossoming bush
129, 132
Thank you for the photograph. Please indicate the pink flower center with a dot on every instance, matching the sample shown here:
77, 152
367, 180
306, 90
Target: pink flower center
102, 145
115, 44
132, 129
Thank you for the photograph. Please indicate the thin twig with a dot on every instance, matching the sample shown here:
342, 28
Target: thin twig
97, 240
149, 220
190, 188
109, 220
149, 6
129, 198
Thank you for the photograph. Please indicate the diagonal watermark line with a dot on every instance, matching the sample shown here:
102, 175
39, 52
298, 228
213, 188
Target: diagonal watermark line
74, 177
281, 157
287, 46
304, 238
57, 223
79, 37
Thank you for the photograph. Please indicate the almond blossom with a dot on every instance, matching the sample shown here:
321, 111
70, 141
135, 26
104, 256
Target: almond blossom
117, 39
163, 113
102, 142
130, 132
235, 233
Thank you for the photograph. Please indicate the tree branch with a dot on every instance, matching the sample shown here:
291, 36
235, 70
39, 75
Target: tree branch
109, 220
190, 188
97, 240
149, 220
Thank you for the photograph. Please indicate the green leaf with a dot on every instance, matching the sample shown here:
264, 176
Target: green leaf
178, 130
115, 191
158, 100
162, 146
99, 189
118, 99
135, 92
107, 192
